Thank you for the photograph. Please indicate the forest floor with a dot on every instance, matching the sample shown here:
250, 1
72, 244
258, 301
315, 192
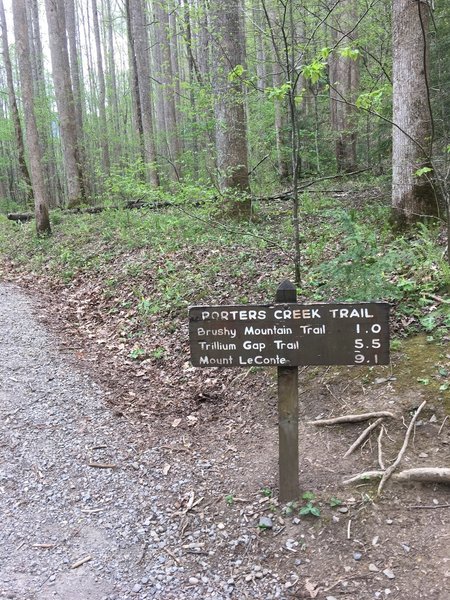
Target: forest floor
176, 513
127, 473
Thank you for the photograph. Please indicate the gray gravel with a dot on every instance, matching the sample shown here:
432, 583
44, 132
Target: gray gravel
74, 531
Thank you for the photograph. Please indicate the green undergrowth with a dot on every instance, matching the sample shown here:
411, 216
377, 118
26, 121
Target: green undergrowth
158, 262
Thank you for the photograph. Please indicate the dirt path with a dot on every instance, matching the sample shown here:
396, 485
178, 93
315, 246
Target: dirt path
171, 510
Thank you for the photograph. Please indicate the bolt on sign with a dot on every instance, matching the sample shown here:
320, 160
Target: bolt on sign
289, 335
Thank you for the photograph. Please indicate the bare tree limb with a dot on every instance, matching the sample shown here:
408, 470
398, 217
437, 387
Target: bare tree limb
363, 436
351, 418
380, 449
394, 465
425, 474
365, 476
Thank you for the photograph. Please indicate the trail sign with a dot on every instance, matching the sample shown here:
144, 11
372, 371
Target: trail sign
290, 335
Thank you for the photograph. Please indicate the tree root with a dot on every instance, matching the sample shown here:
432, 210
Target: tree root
363, 436
425, 474
388, 472
351, 418
420, 474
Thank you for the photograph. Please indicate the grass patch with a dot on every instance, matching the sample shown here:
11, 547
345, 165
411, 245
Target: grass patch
159, 262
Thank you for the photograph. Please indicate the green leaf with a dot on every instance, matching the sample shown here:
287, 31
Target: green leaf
309, 496
423, 381
428, 323
314, 71
349, 52
422, 171
335, 501
444, 387
325, 52
236, 73
278, 93
309, 509
305, 510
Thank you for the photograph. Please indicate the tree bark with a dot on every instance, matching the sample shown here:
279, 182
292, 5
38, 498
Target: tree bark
141, 45
56, 20
413, 196
41, 100
112, 88
344, 81
260, 50
41, 198
231, 122
13, 106
134, 86
103, 129
166, 89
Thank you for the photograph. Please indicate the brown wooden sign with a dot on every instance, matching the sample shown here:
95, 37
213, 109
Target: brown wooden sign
289, 335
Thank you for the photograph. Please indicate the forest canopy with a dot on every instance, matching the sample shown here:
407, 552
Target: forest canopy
120, 99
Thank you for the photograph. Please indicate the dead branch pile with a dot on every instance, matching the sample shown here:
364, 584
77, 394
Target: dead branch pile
422, 474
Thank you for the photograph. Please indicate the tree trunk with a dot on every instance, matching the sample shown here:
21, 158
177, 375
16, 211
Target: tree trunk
260, 51
76, 78
279, 77
42, 105
231, 122
103, 129
136, 112
13, 105
413, 196
166, 89
41, 199
141, 45
112, 88
64, 99
344, 81
193, 74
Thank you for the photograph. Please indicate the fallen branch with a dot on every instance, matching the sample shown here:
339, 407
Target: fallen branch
442, 426
419, 474
363, 436
425, 474
102, 465
351, 418
429, 506
437, 298
380, 449
388, 472
365, 476
93, 210
81, 562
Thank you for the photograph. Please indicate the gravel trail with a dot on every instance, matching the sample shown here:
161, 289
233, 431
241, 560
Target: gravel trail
55, 509
76, 531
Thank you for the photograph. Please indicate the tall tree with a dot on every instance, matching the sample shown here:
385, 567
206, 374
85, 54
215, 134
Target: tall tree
42, 105
231, 121
13, 104
140, 45
413, 196
112, 87
136, 113
56, 20
344, 81
103, 134
41, 196
166, 81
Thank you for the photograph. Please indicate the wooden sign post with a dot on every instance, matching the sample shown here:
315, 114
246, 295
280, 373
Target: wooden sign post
287, 415
286, 334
